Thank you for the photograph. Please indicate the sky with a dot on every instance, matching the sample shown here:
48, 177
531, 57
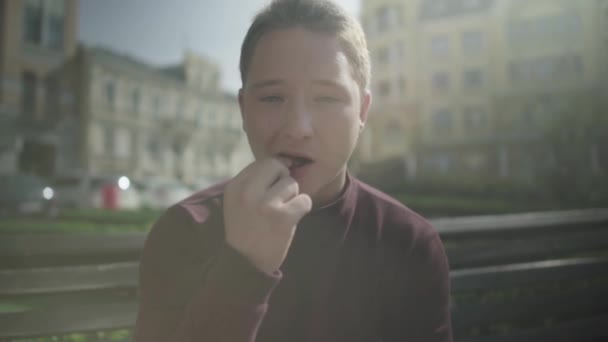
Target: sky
158, 31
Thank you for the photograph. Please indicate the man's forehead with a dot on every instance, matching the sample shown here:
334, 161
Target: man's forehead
283, 46
258, 84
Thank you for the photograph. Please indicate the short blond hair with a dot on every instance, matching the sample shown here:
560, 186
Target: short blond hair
315, 15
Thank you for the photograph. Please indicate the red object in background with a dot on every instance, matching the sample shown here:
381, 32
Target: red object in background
109, 194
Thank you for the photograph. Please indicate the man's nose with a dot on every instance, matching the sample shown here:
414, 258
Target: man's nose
298, 121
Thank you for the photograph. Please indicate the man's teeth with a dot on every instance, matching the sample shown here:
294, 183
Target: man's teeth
297, 161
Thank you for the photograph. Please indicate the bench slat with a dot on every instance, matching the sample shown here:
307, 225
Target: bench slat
68, 278
504, 276
585, 329
499, 251
475, 226
582, 303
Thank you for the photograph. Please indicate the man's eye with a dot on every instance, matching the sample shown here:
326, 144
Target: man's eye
272, 99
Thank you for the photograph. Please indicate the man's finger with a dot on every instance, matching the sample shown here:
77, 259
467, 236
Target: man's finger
267, 172
282, 191
298, 206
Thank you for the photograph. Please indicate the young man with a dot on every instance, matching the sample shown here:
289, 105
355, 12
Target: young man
294, 248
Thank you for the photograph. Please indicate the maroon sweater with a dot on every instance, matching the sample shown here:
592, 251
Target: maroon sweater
364, 268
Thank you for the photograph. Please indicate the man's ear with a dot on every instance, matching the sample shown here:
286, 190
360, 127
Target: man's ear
366, 102
242, 108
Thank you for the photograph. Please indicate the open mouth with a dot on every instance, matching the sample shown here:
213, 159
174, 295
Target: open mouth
295, 161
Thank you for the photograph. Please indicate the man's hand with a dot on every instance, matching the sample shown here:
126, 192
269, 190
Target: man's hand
262, 206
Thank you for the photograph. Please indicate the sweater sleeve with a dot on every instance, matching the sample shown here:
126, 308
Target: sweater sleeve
189, 293
422, 313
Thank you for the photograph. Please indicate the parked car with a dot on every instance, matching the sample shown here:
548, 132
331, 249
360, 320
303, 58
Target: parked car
97, 191
26, 194
160, 193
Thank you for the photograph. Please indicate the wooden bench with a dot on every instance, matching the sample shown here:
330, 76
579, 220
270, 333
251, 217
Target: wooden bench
553, 300
528, 277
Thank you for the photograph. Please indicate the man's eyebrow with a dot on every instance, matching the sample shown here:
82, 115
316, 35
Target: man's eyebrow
266, 83
330, 83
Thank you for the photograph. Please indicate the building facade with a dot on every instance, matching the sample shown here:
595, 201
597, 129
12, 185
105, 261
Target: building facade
141, 121
66, 108
486, 82
36, 38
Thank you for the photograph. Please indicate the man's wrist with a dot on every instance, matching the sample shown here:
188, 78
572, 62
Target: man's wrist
260, 265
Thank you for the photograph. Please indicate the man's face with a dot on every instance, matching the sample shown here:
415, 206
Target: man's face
302, 105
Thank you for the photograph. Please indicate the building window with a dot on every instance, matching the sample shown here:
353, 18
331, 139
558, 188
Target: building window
563, 27
200, 119
474, 118
442, 162
212, 118
179, 110
52, 97
32, 22
393, 133
473, 78
472, 42
135, 100
528, 116
402, 85
440, 46
28, 94
384, 89
382, 56
153, 149
43, 23
156, 107
441, 81
108, 140
547, 69
442, 121
110, 94
383, 18
388, 17
123, 143
55, 22
397, 54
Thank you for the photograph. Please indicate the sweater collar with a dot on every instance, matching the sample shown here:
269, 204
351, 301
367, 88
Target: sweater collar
340, 211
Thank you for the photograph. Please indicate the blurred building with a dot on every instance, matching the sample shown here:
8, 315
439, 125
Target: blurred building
485, 86
66, 109
392, 32
36, 37
142, 121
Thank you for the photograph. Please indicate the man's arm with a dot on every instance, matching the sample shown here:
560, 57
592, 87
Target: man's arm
209, 294
191, 291
423, 312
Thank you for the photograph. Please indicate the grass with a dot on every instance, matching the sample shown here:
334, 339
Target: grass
83, 221
12, 307
25, 225
110, 336
119, 216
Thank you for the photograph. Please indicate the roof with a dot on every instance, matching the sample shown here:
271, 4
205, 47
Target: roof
172, 75
128, 64
439, 9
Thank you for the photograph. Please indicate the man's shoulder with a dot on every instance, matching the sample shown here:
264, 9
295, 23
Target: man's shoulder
192, 213
201, 204
395, 219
